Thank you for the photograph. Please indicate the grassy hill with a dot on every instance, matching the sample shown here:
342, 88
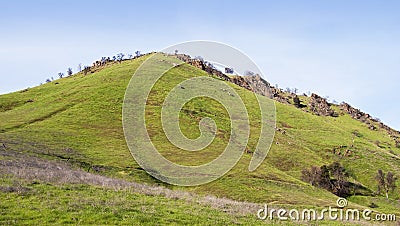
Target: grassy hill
76, 123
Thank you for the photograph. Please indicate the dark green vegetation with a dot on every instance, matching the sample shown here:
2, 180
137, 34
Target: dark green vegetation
76, 121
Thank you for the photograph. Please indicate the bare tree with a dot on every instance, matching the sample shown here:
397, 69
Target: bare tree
61, 75
137, 53
380, 178
390, 181
86, 69
321, 177
103, 60
249, 73
69, 71
385, 184
317, 176
120, 57
340, 174
210, 65
229, 70
325, 180
199, 58
79, 67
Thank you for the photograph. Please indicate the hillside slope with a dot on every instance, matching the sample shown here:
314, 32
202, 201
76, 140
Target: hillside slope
78, 120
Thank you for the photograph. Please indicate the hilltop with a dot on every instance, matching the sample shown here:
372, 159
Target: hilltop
74, 124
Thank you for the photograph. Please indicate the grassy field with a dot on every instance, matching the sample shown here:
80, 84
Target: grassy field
44, 204
78, 121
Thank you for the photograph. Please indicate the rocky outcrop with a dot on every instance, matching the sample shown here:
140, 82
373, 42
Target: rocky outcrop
253, 83
207, 67
278, 95
320, 106
369, 120
355, 113
317, 104
202, 65
242, 82
297, 102
259, 85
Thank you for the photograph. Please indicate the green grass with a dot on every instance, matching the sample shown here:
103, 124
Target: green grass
45, 204
83, 114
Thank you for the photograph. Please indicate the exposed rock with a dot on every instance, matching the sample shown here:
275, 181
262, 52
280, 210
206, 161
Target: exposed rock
197, 63
253, 83
296, 101
320, 106
368, 119
317, 104
354, 113
201, 64
207, 67
259, 85
240, 81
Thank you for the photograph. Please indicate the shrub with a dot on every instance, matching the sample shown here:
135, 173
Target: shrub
332, 178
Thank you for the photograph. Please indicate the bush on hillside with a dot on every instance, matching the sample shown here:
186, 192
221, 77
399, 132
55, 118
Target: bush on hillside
332, 178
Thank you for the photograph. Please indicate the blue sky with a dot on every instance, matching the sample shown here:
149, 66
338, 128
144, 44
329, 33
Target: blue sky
347, 50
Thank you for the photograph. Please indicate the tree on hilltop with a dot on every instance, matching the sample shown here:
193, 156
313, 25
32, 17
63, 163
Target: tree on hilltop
69, 71
120, 56
249, 73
